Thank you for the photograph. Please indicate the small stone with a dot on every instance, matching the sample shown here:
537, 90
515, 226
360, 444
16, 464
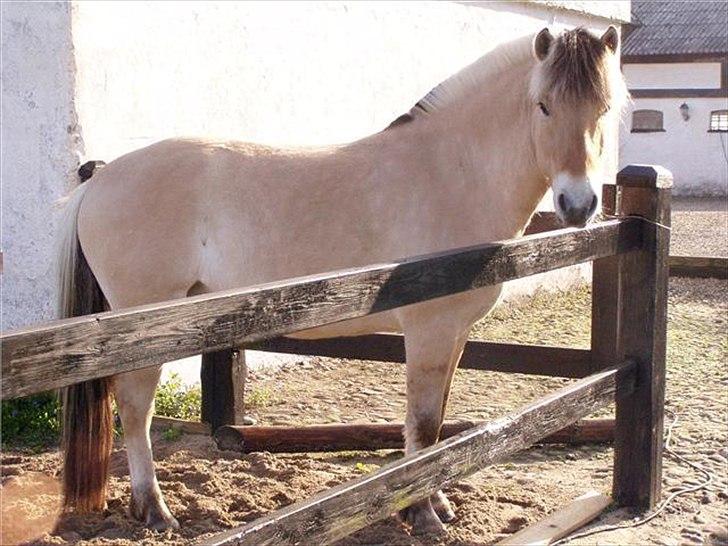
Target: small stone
113, 534
11, 459
697, 518
690, 531
717, 535
71, 536
707, 497
249, 420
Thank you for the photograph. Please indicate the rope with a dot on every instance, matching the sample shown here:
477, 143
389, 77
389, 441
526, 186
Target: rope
709, 477
617, 217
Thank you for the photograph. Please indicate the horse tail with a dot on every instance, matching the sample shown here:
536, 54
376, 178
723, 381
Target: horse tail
88, 425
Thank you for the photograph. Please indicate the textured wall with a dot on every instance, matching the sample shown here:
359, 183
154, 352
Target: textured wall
280, 73
39, 143
297, 73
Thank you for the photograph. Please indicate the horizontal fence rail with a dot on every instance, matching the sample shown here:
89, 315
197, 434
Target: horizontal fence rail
477, 355
701, 267
74, 350
340, 511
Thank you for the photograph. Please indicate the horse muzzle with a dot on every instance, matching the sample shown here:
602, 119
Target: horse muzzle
575, 202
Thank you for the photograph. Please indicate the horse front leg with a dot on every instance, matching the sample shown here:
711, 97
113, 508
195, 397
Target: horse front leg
432, 357
134, 393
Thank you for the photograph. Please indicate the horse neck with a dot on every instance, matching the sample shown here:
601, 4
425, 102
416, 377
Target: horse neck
485, 139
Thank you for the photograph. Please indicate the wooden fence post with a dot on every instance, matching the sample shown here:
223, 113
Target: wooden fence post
223, 376
639, 318
605, 297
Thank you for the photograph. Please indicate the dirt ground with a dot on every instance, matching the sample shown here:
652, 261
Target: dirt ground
209, 490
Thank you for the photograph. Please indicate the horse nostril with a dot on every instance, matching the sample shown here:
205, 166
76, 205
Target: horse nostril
562, 202
593, 205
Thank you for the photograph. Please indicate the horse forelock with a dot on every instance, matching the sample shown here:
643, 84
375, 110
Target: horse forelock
577, 70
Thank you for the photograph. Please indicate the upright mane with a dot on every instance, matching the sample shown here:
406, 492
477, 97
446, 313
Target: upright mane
577, 70
469, 79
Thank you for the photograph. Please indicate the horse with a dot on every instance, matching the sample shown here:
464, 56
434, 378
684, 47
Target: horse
469, 163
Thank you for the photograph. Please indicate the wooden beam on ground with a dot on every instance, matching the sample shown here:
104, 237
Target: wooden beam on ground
160, 422
373, 436
73, 350
478, 355
338, 512
701, 267
561, 523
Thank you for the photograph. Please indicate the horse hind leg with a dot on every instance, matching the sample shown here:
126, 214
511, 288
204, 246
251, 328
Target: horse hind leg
134, 393
432, 357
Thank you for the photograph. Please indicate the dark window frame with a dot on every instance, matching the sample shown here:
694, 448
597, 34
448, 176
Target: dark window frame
660, 129
717, 114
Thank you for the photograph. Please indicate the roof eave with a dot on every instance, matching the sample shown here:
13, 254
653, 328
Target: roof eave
617, 12
674, 57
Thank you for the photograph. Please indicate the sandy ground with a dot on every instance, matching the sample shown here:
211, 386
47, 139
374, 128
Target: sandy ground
209, 490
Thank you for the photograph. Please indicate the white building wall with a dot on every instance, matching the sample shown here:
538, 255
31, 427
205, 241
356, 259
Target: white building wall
672, 75
281, 73
698, 159
39, 152
296, 73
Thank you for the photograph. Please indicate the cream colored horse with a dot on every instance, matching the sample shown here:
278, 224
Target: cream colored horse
468, 164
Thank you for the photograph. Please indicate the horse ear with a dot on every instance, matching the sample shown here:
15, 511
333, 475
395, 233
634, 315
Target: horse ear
542, 43
610, 38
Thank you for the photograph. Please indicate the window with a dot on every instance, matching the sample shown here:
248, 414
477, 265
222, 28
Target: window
719, 121
647, 121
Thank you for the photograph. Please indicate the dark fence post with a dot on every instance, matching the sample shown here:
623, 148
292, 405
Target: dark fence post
223, 376
638, 332
605, 298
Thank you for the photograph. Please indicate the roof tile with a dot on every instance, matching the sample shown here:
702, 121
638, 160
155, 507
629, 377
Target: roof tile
678, 27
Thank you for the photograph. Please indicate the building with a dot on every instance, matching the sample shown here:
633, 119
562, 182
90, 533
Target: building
675, 60
94, 80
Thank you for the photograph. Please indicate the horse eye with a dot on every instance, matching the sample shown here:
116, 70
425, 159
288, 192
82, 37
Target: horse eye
543, 108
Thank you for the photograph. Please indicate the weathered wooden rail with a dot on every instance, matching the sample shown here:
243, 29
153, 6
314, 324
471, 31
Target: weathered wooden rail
626, 358
69, 351
349, 507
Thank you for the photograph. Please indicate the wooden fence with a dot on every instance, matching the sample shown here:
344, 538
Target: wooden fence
626, 361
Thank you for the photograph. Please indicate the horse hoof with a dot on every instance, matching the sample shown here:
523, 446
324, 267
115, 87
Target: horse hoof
442, 507
150, 509
162, 524
422, 518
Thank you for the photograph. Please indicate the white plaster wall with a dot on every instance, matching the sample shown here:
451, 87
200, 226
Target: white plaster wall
297, 73
38, 152
300, 73
672, 75
698, 159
